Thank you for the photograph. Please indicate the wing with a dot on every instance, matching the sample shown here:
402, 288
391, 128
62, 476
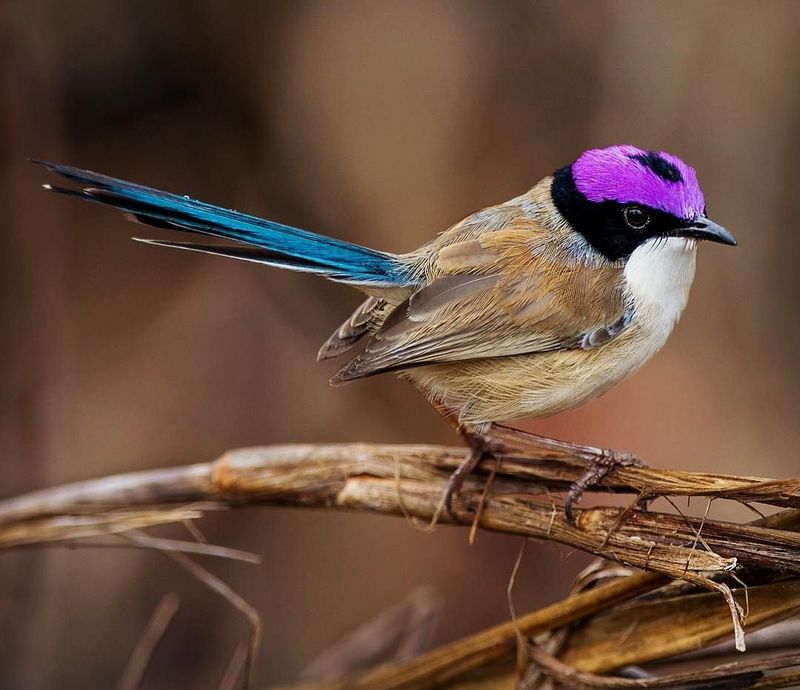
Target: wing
507, 292
364, 320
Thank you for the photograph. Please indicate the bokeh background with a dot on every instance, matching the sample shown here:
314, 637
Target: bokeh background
381, 123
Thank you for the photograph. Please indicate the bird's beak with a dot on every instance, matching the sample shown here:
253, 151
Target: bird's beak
702, 228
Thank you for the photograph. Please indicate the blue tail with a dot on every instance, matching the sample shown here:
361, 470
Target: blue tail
264, 241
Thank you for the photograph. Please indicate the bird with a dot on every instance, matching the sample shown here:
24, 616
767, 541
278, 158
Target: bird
523, 309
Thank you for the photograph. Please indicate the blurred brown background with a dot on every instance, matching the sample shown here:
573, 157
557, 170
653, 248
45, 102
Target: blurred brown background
381, 123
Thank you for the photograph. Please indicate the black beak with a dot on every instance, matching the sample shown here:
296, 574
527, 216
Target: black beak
704, 229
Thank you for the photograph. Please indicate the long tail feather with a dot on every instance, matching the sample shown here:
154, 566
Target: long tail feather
266, 241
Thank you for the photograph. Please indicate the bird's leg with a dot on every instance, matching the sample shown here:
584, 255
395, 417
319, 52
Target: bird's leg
601, 460
480, 445
498, 439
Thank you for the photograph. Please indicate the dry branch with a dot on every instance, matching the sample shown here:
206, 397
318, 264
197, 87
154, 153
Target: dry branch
647, 630
736, 675
153, 634
409, 481
396, 634
449, 662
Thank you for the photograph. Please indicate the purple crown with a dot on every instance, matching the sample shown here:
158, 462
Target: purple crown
629, 175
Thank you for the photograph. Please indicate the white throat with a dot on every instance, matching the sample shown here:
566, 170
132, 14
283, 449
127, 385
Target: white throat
659, 274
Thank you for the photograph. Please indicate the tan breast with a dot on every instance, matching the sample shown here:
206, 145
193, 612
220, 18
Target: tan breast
658, 277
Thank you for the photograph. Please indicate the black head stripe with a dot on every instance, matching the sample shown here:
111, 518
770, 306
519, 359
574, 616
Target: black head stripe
602, 222
661, 167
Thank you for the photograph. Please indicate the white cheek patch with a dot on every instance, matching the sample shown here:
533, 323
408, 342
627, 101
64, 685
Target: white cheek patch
659, 274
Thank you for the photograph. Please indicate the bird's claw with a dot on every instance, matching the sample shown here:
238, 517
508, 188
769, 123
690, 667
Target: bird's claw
600, 464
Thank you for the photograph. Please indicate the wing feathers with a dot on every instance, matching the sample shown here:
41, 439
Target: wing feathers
445, 290
534, 299
365, 320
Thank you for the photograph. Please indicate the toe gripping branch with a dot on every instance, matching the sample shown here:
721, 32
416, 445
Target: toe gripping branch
600, 461
600, 465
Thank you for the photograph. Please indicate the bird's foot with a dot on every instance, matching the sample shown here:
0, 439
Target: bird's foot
481, 447
601, 462
502, 439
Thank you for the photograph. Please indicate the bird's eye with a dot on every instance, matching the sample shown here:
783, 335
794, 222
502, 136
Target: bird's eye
636, 218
